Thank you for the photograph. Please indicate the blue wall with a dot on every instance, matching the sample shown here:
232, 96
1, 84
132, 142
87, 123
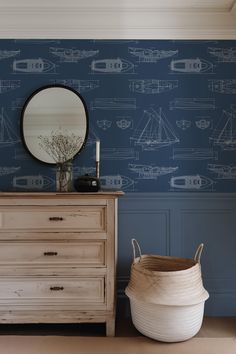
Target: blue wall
165, 111
162, 110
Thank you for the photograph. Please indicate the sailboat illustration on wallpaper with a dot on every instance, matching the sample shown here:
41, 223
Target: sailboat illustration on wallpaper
7, 134
154, 131
224, 134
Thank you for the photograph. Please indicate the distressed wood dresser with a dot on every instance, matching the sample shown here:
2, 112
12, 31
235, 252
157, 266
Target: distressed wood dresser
58, 257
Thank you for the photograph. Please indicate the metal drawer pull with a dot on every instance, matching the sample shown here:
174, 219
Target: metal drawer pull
56, 218
56, 288
50, 253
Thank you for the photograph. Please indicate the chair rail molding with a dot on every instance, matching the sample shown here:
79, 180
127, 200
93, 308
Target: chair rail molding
169, 19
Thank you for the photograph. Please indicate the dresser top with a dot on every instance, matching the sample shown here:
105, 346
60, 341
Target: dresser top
72, 195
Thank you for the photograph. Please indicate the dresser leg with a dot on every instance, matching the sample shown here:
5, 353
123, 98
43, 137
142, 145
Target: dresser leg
110, 327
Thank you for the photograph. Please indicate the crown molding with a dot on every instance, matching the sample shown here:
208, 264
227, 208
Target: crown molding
118, 22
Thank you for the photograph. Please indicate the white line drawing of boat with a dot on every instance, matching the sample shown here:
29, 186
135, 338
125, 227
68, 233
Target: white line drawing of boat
194, 154
9, 85
202, 123
222, 86
119, 154
117, 182
224, 55
124, 123
154, 131
113, 103
183, 124
79, 85
112, 66
104, 124
8, 170
223, 171
8, 135
191, 182
191, 66
152, 86
151, 55
72, 55
5, 54
150, 172
36, 182
17, 103
33, 66
193, 103
224, 134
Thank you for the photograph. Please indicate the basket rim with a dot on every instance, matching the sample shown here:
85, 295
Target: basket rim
137, 263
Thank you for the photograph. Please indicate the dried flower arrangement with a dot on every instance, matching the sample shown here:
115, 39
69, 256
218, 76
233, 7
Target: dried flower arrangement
62, 146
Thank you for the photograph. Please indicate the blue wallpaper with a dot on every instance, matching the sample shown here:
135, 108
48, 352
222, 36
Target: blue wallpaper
164, 111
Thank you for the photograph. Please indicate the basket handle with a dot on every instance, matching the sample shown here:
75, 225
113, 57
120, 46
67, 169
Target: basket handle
136, 246
198, 253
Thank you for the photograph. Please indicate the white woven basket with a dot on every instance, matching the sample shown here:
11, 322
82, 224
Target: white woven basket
166, 295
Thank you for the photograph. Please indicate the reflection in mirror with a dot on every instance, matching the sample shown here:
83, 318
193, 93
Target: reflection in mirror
54, 124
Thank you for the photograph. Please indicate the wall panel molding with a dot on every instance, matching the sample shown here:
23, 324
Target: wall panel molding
192, 218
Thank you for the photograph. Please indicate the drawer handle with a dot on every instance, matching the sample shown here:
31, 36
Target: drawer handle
50, 253
56, 218
56, 288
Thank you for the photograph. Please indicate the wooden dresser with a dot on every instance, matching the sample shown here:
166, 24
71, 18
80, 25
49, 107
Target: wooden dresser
58, 257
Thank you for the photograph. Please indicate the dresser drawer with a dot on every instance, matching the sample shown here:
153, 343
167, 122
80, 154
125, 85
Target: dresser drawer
48, 291
61, 218
80, 253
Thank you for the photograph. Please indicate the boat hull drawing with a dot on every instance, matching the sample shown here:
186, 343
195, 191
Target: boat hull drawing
37, 182
150, 172
226, 55
152, 86
112, 66
223, 171
113, 103
191, 66
191, 182
151, 55
225, 86
8, 170
193, 103
72, 55
194, 154
33, 66
79, 85
5, 54
9, 85
116, 182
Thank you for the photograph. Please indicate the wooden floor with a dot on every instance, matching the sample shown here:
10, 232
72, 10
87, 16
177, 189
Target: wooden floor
213, 327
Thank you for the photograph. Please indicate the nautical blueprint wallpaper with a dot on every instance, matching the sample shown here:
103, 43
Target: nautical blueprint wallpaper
164, 111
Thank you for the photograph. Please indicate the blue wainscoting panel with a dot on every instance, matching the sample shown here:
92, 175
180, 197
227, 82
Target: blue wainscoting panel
175, 224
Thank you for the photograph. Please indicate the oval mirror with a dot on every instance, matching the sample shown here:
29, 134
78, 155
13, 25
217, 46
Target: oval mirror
54, 124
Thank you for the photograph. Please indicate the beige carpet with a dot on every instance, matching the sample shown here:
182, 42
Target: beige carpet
118, 345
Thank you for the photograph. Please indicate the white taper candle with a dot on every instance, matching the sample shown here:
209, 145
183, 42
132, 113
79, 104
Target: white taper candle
97, 151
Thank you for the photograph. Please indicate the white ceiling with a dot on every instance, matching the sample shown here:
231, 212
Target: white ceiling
118, 19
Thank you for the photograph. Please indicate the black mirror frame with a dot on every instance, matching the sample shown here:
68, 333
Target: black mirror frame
41, 88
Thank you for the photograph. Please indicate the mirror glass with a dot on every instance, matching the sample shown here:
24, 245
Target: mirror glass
54, 124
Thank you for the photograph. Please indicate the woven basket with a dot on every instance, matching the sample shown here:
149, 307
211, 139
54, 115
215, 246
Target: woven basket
166, 295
